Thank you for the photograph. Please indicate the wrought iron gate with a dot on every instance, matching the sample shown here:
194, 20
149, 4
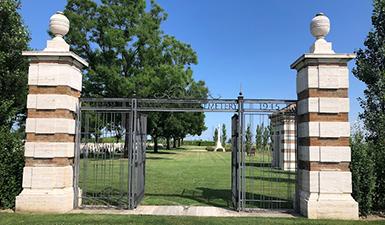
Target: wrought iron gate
137, 158
267, 158
111, 156
111, 150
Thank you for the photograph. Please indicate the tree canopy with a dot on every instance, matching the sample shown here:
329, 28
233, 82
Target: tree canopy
14, 39
370, 68
130, 56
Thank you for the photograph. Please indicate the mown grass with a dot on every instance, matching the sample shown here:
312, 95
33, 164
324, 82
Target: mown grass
189, 176
85, 219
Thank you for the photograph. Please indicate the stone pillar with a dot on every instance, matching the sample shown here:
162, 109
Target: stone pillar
284, 137
288, 138
55, 83
325, 182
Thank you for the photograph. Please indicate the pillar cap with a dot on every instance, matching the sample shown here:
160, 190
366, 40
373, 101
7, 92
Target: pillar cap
319, 59
64, 56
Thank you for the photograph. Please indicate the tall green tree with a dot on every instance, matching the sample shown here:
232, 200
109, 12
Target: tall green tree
129, 54
362, 167
248, 141
14, 39
224, 135
259, 137
215, 137
370, 68
265, 137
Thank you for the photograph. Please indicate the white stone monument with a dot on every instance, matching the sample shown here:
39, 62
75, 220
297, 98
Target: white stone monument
218, 145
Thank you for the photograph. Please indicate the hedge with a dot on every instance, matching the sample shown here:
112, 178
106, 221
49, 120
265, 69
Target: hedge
11, 167
363, 177
199, 143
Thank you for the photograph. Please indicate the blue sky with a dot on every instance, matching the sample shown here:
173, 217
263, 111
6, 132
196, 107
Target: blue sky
244, 42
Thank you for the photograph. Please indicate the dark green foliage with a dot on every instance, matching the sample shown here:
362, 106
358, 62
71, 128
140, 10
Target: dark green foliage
215, 137
13, 66
224, 135
265, 137
199, 143
130, 56
362, 167
370, 68
262, 137
11, 167
249, 141
13, 94
258, 137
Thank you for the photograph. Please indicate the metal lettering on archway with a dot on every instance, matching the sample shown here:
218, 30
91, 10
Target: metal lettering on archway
112, 139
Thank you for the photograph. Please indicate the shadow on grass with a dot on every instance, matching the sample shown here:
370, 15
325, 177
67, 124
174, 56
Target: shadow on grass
107, 197
254, 200
214, 197
110, 197
157, 158
222, 198
161, 152
258, 164
280, 171
272, 179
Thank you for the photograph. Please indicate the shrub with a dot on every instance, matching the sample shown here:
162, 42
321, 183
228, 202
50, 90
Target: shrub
363, 178
11, 167
379, 171
210, 148
199, 143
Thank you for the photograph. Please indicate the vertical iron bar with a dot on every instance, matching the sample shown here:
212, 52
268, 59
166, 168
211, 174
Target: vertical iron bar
135, 156
242, 177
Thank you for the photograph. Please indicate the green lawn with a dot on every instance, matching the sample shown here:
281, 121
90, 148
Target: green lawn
187, 177
190, 176
83, 219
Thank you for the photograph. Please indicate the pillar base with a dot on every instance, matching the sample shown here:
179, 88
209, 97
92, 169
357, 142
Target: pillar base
329, 206
45, 200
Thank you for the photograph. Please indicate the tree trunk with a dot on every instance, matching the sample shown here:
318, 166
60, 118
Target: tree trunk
178, 142
168, 143
155, 144
174, 143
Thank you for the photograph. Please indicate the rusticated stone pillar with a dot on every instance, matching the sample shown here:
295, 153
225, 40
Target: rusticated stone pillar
325, 182
55, 83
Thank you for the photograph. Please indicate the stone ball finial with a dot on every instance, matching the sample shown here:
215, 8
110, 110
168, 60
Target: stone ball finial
320, 26
59, 24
